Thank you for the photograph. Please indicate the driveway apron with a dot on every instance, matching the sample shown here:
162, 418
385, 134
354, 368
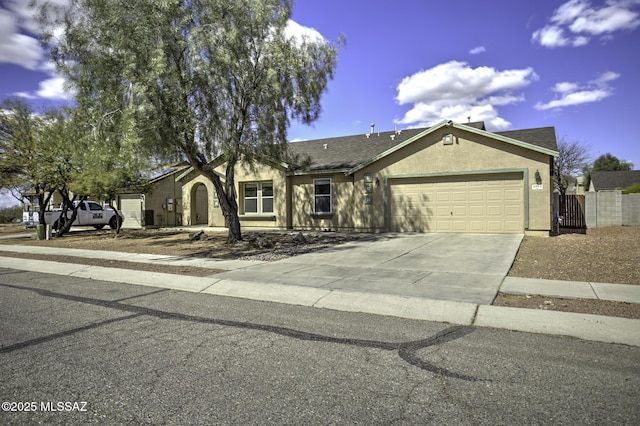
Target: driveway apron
447, 266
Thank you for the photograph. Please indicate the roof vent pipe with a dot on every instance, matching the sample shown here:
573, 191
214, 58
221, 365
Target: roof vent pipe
373, 125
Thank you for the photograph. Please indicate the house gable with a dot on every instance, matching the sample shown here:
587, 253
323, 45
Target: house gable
544, 135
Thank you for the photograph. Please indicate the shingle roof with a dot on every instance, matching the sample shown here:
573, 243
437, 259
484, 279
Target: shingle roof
614, 180
544, 137
347, 152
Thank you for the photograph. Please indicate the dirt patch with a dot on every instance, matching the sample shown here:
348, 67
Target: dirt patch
120, 264
607, 255
585, 306
178, 243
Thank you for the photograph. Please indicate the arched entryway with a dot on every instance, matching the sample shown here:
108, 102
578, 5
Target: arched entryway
199, 205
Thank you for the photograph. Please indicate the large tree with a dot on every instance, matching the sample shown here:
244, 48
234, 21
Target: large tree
213, 81
113, 162
573, 157
32, 155
610, 163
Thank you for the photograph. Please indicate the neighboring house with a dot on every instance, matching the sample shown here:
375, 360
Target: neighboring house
608, 181
446, 178
160, 206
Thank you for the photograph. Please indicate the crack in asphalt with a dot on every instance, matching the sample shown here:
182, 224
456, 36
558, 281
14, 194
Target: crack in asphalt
407, 351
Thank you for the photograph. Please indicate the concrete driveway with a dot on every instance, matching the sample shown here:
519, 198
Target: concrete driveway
458, 267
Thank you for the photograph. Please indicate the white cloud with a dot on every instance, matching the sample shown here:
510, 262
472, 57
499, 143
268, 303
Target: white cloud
576, 21
300, 32
477, 50
53, 88
576, 94
455, 91
565, 87
24, 95
19, 46
15, 47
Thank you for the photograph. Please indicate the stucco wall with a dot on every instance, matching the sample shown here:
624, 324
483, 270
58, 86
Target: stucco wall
349, 211
260, 173
424, 157
156, 200
190, 201
471, 153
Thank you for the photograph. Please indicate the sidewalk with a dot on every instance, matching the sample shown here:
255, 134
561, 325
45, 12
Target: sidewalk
371, 296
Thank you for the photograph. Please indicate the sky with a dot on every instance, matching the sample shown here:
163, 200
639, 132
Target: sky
570, 64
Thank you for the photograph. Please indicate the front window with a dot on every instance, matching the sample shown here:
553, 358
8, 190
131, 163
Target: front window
258, 198
322, 195
251, 198
267, 197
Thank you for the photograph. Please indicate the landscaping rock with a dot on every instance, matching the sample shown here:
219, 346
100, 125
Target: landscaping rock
198, 236
300, 239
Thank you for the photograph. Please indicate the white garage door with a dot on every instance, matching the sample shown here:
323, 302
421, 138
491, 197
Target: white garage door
471, 203
131, 207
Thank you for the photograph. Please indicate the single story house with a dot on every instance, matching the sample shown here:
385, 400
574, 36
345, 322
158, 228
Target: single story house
609, 181
161, 205
446, 178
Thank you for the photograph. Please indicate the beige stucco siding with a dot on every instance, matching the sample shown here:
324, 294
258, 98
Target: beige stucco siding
262, 174
471, 155
156, 200
357, 205
349, 211
198, 201
429, 157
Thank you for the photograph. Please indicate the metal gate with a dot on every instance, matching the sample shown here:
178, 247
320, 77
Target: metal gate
572, 212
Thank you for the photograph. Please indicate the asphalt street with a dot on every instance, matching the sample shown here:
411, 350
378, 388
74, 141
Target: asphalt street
114, 353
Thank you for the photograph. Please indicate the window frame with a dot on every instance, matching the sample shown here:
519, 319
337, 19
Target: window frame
253, 198
266, 197
316, 196
259, 198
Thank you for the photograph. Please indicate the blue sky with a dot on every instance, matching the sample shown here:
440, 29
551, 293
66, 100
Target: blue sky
408, 63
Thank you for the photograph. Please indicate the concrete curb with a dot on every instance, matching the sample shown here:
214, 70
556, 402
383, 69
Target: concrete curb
583, 326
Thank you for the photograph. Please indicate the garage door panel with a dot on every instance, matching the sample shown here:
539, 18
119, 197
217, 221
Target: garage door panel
494, 195
482, 203
477, 211
512, 195
476, 195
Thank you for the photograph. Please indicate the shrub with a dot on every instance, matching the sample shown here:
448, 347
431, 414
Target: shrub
7, 214
632, 189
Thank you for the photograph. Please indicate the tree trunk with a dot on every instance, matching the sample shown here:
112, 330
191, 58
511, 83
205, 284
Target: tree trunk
118, 221
234, 234
64, 224
228, 204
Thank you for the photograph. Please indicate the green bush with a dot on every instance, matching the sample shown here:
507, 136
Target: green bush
7, 214
633, 189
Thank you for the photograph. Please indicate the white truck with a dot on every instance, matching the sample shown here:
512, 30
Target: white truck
90, 213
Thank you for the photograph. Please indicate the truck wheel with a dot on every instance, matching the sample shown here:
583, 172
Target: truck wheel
98, 227
113, 224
